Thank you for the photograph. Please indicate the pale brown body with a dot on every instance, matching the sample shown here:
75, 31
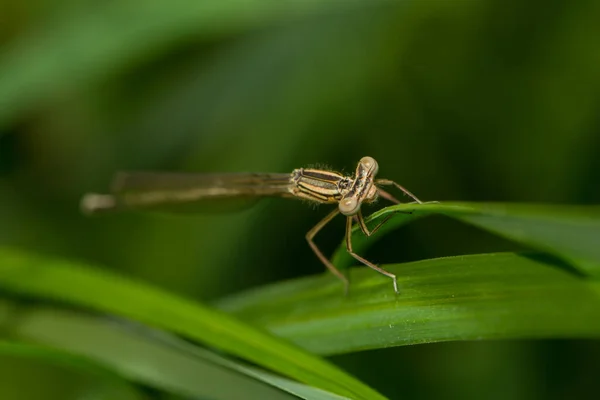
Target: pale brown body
144, 190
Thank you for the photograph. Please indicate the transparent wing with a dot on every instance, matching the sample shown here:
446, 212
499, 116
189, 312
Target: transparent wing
186, 192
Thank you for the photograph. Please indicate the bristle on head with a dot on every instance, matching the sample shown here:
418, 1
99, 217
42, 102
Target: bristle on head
93, 203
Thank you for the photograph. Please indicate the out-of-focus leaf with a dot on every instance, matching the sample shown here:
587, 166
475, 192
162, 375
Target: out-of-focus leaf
86, 43
95, 381
56, 279
153, 358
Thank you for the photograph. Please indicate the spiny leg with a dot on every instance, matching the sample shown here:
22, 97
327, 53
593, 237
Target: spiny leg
363, 225
362, 260
394, 200
310, 236
388, 182
387, 196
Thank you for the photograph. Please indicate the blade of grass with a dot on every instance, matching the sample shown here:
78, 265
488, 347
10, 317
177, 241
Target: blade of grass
117, 387
70, 282
152, 358
86, 43
569, 232
488, 296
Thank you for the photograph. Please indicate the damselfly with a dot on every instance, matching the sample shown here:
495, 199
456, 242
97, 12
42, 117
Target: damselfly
149, 190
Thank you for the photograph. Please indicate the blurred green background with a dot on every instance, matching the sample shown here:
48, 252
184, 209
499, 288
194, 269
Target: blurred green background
457, 100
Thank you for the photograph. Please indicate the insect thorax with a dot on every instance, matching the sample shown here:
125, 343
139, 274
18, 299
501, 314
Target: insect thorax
319, 185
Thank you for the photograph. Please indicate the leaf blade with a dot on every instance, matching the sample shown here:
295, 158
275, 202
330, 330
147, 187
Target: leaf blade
487, 296
85, 44
153, 358
568, 232
107, 384
70, 282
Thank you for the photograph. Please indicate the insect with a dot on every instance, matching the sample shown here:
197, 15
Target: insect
157, 190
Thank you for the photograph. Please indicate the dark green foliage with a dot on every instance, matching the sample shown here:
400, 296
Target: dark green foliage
488, 102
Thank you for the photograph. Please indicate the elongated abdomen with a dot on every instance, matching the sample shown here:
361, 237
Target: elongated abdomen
186, 192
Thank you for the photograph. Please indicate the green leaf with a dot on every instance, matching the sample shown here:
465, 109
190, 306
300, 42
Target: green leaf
85, 44
103, 291
84, 374
152, 358
488, 296
568, 232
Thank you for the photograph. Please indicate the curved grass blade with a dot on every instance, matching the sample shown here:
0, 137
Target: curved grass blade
571, 233
95, 42
115, 387
487, 296
153, 358
100, 290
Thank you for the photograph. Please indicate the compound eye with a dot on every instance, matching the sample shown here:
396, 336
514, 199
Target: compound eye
349, 206
370, 164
